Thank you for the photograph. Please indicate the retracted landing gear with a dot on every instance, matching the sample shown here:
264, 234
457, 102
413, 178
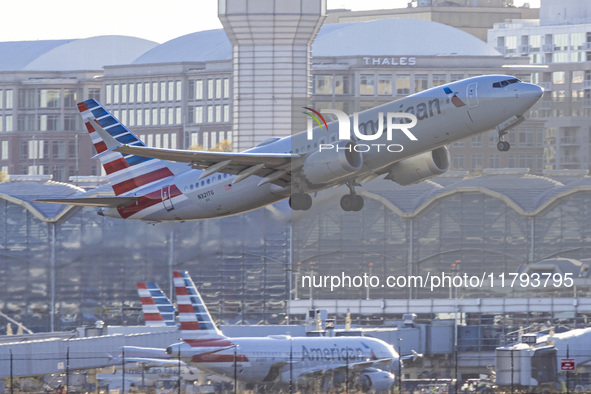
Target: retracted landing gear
503, 145
351, 201
300, 201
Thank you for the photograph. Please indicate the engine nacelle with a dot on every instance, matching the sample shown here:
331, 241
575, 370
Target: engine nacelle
421, 167
327, 165
380, 381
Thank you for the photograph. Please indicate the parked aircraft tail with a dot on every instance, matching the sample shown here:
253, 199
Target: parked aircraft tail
157, 308
193, 314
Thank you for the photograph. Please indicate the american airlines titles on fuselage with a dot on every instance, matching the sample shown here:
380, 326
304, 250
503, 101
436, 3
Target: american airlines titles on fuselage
276, 359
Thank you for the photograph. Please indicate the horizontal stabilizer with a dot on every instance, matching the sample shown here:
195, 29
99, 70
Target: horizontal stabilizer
143, 352
91, 201
148, 362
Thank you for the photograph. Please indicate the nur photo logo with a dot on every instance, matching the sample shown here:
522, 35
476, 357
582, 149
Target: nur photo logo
387, 123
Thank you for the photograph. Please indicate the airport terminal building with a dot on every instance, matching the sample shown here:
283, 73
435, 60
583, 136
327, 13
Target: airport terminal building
493, 213
559, 46
249, 267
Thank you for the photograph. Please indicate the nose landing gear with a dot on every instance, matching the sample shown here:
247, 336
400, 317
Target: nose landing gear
503, 145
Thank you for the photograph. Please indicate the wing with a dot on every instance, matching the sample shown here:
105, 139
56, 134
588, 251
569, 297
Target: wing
353, 367
148, 362
272, 167
91, 201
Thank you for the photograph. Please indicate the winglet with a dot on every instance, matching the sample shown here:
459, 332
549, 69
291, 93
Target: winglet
111, 142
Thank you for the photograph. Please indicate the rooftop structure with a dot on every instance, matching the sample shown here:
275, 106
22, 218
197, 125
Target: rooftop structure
472, 17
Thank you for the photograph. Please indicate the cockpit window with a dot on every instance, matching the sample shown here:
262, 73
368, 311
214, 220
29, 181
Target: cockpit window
506, 82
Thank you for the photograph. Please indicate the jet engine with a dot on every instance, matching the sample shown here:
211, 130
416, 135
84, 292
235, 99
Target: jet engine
327, 165
376, 381
421, 167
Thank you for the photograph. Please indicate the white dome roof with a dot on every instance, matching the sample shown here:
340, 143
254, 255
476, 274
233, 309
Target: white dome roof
68, 55
92, 53
397, 37
385, 37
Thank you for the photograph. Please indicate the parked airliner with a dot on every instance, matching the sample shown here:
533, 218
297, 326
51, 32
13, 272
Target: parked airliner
278, 359
156, 184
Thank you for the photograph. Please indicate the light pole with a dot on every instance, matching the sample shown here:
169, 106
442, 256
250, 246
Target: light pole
367, 287
456, 269
298, 273
400, 365
312, 264
235, 369
290, 365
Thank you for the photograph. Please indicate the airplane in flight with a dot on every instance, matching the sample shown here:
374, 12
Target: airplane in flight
365, 362
403, 141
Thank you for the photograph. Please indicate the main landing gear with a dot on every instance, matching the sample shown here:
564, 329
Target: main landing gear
351, 201
503, 145
300, 201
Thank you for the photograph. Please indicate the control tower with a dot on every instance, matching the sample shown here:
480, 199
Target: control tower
271, 63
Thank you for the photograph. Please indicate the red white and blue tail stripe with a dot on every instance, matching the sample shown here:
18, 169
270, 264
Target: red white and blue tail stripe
157, 308
193, 314
126, 173
129, 174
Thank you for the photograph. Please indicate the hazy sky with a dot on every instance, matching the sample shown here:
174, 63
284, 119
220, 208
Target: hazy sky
155, 20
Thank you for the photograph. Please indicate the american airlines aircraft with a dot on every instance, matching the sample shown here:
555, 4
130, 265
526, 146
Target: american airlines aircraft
155, 184
278, 359
157, 308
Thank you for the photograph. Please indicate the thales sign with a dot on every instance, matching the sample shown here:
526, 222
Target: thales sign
389, 60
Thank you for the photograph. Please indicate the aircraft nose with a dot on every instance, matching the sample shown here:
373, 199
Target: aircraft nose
529, 90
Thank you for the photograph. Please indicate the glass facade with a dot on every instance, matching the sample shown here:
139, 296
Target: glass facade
492, 223
241, 271
420, 232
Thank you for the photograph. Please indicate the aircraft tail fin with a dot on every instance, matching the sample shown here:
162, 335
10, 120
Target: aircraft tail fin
125, 172
157, 308
193, 314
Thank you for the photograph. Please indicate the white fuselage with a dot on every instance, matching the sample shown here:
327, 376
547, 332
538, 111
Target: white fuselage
440, 122
277, 359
